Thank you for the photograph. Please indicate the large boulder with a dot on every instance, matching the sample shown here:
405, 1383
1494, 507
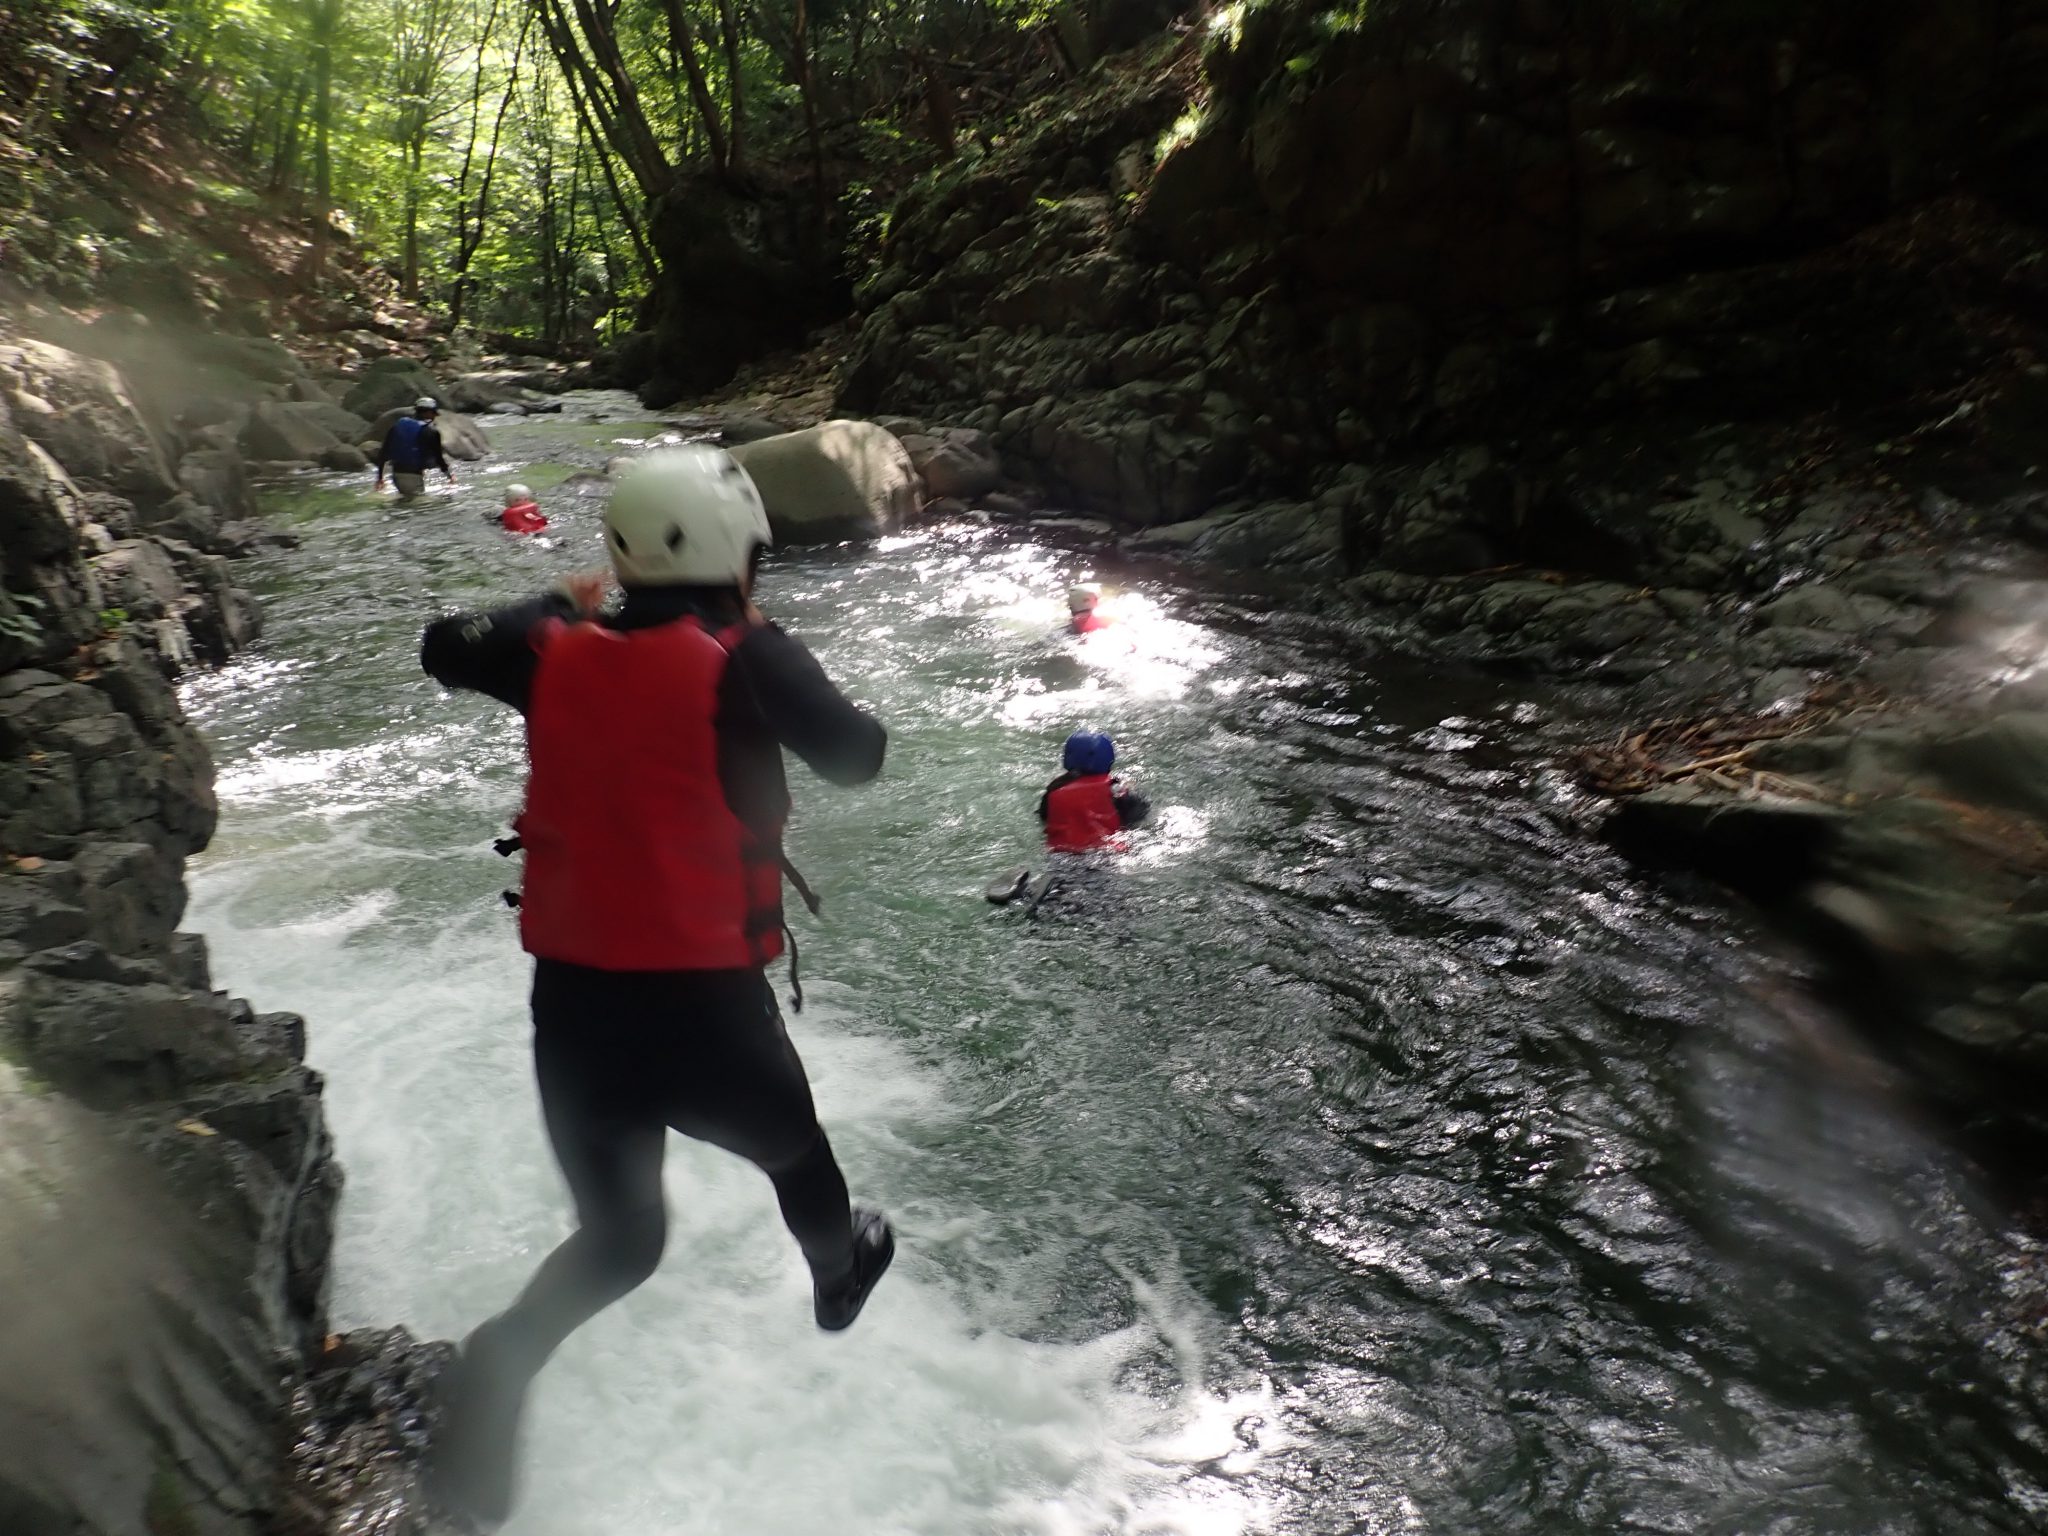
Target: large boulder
955, 461
481, 392
838, 480
80, 410
34, 499
390, 383
2004, 761
218, 481
460, 436
299, 432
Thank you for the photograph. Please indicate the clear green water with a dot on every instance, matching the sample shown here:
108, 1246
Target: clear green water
1371, 1153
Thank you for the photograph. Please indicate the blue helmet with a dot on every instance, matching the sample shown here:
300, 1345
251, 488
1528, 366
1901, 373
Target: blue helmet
1088, 752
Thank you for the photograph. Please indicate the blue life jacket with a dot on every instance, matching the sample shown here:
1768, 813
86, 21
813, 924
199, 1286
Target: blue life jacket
402, 446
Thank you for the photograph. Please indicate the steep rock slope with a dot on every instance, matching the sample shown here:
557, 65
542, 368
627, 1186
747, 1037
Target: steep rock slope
167, 1183
1295, 250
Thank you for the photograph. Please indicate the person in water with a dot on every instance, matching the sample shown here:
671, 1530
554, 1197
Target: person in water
411, 448
651, 903
1084, 808
522, 513
1083, 609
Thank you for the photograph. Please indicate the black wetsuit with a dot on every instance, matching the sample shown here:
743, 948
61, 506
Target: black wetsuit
622, 1057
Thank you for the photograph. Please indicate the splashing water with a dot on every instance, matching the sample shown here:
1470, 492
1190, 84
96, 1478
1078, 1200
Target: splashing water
1365, 1154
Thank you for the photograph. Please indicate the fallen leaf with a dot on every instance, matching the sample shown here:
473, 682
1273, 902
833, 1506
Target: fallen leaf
197, 1128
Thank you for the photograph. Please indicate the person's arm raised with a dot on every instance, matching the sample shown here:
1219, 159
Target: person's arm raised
492, 652
806, 712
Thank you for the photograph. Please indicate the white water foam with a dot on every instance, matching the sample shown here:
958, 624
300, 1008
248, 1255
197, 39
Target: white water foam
707, 1402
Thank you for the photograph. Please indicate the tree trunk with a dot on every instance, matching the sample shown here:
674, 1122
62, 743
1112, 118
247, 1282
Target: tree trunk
938, 102
326, 23
803, 86
410, 285
290, 125
684, 44
735, 87
604, 161
610, 100
469, 237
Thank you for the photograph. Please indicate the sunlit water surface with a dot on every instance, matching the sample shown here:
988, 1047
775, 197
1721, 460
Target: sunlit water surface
1368, 1154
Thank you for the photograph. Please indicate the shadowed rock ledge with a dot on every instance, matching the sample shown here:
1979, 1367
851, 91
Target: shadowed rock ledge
167, 1181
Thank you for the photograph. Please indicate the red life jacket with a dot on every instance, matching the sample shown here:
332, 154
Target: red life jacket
634, 860
1086, 623
1081, 814
522, 517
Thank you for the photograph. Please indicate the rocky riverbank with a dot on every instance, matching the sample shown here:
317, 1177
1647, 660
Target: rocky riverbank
166, 1210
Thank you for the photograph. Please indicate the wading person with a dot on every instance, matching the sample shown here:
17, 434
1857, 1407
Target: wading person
651, 903
411, 448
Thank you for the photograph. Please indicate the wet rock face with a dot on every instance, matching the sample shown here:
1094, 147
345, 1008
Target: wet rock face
80, 411
1459, 221
167, 1183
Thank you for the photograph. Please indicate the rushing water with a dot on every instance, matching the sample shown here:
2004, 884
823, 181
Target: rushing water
1369, 1153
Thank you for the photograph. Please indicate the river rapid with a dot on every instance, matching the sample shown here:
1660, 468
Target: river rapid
1371, 1152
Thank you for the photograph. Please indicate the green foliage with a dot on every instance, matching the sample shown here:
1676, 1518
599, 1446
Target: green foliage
112, 619
495, 156
1183, 129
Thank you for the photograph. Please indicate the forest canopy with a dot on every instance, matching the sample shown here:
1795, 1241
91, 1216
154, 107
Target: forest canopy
501, 159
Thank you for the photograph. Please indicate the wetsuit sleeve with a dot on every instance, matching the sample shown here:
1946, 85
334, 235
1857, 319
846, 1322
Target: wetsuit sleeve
1131, 807
805, 712
384, 449
490, 652
431, 454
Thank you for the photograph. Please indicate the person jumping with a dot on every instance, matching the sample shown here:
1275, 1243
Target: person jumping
651, 903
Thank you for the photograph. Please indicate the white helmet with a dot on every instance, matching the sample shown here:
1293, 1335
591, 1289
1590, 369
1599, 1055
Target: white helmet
425, 403
685, 517
515, 494
1083, 598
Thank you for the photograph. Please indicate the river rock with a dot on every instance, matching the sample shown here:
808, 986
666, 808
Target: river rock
217, 479
1175, 538
734, 430
390, 384
1769, 844
37, 502
2004, 761
477, 392
954, 462
296, 433
1272, 533
137, 575
1825, 606
839, 480
344, 458
239, 540
80, 410
186, 521
585, 482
